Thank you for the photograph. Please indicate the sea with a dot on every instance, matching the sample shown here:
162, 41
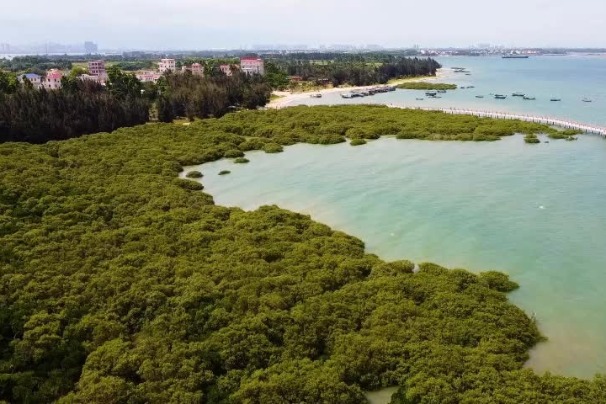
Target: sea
535, 212
570, 78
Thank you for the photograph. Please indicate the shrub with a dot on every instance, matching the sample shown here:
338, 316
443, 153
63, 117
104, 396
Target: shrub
273, 148
241, 160
357, 142
224, 172
194, 174
230, 154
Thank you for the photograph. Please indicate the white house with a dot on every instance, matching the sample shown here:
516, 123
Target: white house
166, 65
252, 65
147, 76
52, 81
33, 78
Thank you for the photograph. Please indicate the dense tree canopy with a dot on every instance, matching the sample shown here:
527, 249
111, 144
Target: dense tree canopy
358, 70
213, 95
122, 283
78, 108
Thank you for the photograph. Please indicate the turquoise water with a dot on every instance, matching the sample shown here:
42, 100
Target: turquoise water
537, 212
570, 78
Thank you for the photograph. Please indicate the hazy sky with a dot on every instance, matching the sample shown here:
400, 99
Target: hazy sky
201, 24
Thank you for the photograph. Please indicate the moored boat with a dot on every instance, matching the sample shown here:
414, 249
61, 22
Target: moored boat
500, 96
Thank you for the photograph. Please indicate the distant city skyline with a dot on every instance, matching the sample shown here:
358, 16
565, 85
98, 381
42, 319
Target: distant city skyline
241, 24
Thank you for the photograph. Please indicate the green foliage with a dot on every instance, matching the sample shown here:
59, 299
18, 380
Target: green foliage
357, 142
123, 283
426, 85
194, 174
273, 148
224, 172
80, 107
241, 160
233, 153
354, 69
531, 139
194, 96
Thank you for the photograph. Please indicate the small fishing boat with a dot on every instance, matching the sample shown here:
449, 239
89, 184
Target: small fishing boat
529, 98
518, 95
431, 93
419, 99
479, 96
555, 99
441, 91
317, 95
500, 96
471, 86
586, 100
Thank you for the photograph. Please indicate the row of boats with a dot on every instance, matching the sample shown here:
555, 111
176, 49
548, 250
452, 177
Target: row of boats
368, 92
527, 97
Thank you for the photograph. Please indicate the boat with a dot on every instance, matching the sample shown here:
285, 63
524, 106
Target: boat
419, 99
555, 99
468, 74
500, 96
317, 95
471, 87
529, 98
346, 95
514, 56
518, 95
586, 100
431, 93
441, 91
479, 96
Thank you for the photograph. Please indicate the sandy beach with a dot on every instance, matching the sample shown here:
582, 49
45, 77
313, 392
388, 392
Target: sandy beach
287, 98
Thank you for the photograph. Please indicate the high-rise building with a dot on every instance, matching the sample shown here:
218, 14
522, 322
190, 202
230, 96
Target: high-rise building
90, 47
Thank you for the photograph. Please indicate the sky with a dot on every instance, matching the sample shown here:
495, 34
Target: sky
216, 24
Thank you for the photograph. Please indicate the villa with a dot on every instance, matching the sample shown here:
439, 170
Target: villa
252, 65
166, 65
33, 78
52, 81
148, 76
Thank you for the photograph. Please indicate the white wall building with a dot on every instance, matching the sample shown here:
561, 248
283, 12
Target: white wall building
147, 76
33, 78
166, 65
52, 81
252, 65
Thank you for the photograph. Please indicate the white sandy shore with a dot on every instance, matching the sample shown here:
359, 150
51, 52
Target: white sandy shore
287, 98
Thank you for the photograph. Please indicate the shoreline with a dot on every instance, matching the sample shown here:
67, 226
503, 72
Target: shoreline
286, 97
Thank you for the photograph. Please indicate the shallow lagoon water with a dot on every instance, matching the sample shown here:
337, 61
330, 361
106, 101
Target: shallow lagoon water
536, 212
570, 78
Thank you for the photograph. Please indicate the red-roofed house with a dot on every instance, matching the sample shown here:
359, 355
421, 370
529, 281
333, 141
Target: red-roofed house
52, 81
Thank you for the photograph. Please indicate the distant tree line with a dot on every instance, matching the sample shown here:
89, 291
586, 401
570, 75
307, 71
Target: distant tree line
356, 70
